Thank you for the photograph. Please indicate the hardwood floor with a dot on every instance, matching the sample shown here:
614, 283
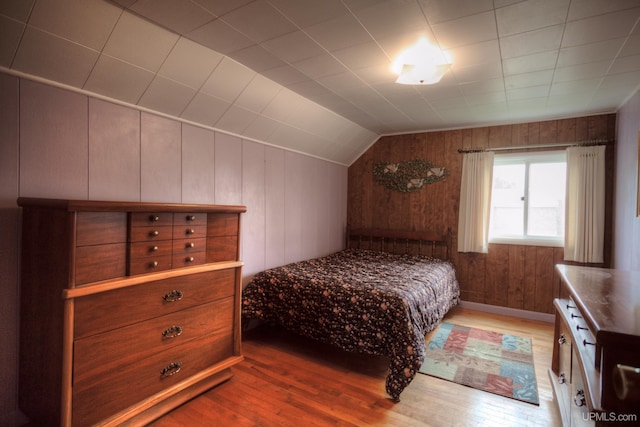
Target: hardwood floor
286, 380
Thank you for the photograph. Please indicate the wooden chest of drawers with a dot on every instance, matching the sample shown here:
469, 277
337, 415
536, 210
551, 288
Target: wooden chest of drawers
595, 370
127, 309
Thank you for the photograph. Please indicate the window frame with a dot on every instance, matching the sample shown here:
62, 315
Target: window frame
549, 156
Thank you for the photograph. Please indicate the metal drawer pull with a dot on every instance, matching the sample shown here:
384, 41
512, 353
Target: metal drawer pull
562, 339
153, 264
191, 231
569, 306
586, 343
154, 233
172, 332
579, 398
578, 328
154, 218
191, 245
573, 316
190, 259
171, 369
561, 378
191, 217
174, 295
154, 248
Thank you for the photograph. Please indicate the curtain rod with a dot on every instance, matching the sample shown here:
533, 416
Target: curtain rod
586, 143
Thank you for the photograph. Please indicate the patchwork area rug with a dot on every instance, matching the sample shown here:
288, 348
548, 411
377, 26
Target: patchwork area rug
490, 361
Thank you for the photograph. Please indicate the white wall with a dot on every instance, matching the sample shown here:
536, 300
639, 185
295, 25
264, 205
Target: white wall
61, 144
626, 232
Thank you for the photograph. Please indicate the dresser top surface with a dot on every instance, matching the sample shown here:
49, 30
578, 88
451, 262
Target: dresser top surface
610, 299
113, 206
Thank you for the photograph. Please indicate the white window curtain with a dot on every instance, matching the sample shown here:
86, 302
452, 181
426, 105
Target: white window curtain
475, 202
584, 223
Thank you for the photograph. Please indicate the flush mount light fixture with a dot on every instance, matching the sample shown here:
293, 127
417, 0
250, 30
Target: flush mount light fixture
421, 64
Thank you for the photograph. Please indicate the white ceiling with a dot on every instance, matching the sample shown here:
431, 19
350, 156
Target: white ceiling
314, 75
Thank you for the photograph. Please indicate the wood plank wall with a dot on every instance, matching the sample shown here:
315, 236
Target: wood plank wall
513, 276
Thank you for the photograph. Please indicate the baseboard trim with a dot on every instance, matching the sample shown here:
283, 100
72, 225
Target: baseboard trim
507, 311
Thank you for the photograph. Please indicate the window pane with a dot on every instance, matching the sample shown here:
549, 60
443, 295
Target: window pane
546, 199
507, 206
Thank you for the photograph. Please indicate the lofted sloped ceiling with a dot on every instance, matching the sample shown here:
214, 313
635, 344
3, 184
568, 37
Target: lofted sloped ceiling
314, 75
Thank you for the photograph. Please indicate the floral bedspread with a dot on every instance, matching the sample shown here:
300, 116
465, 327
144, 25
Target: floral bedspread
361, 301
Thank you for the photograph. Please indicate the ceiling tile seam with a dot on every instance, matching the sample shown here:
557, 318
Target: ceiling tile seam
616, 56
214, 13
462, 17
157, 73
607, 39
329, 53
282, 86
555, 65
255, 76
385, 54
610, 12
57, 36
24, 30
312, 79
215, 16
504, 78
101, 52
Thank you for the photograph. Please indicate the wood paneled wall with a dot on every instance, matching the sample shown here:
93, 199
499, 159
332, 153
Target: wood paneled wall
513, 276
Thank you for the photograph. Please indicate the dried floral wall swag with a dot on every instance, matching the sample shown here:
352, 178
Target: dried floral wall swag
408, 175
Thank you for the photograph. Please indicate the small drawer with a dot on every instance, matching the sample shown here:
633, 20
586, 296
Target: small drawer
129, 383
150, 264
148, 219
188, 246
147, 249
188, 260
222, 248
100, 262
223, 224
101, 354
189, 232
99, 228
189, 219
109, 310
150, 234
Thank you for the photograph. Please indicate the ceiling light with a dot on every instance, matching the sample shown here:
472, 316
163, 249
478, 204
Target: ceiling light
422, 63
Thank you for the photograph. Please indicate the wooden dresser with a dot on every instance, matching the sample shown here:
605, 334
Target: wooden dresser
127, 309
595, 370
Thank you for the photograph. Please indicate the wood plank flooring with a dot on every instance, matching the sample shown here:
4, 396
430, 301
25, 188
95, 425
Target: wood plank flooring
286, 380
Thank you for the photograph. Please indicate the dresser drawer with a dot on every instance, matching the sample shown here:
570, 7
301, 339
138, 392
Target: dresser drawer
147, 249
151, 234
189, 246
148, 219
109, 310
128, 384
100, 262
149, 264
189, 219
99, 246
188, 260
187, 252
99, 228
189, 232
222, 248
100, 355
222, 225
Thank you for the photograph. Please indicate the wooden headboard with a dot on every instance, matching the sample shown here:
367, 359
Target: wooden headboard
428, 243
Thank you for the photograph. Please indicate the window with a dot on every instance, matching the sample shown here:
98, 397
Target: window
528, 198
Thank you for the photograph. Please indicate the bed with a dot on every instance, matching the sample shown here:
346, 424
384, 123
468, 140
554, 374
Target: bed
381, 295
